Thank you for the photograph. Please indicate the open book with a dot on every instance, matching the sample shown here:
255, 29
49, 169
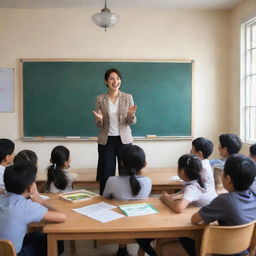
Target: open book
137, 209
78, 195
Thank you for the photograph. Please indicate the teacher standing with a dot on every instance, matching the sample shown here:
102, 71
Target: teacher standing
114, 113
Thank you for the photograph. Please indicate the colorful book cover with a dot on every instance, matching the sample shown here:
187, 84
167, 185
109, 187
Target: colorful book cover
78, 195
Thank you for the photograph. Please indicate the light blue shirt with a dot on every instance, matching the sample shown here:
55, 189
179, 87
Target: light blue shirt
16, 212
218, 163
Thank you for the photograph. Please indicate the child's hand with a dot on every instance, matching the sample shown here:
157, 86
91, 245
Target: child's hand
165, 197
35, 197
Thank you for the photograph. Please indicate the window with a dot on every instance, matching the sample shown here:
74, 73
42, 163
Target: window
248, 81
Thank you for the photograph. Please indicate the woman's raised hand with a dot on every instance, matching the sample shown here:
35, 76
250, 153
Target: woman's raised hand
132, 110
98, 115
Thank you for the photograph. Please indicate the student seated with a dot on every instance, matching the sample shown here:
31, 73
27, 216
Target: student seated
253, 157
27, 155
236, 207
203, 148
6, 158
22, 205
194, 191
229, 144
59, 179
131, 186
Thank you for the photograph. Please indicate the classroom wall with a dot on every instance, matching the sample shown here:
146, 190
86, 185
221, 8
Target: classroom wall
243, 12
141, 34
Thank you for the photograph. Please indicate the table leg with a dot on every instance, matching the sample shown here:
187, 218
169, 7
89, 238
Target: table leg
52, 245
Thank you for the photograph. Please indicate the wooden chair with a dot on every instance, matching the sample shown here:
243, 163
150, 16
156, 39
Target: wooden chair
7, 248
229, 239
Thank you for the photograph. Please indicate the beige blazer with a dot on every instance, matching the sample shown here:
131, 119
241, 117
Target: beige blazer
125, 101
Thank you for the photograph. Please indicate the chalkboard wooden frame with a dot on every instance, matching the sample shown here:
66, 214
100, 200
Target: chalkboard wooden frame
25, 137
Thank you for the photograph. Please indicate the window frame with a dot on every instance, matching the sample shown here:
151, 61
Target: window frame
247, 78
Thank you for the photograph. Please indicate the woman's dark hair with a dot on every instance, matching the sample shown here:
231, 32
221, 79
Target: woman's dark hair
109, 71
27, 155
192, 167
134, 160
55, 172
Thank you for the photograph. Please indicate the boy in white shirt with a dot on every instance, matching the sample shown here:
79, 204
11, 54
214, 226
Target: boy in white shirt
203, 148
6, 158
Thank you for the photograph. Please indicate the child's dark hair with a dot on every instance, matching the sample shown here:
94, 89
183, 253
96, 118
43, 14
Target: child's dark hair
109, 71
253, 149
18, 177
6, 148
134, 160
27, 155
55, 173
242, 171
192, 167
231, 141
204, 145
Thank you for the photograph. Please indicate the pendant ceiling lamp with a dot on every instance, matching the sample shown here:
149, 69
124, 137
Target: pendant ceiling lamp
105, 18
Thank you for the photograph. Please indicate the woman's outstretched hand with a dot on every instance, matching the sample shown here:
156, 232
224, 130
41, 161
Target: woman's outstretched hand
132, 110
98, 115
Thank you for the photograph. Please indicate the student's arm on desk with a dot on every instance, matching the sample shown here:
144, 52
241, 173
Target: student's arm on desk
196, 218
177, 206
52, 215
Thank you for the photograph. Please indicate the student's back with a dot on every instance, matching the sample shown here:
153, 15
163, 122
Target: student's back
22, 205
6, 158
238, 206
119, 188
59, 179
130, 186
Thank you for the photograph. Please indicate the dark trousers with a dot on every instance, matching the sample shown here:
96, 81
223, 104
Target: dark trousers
144, 243
107, 160
35, 244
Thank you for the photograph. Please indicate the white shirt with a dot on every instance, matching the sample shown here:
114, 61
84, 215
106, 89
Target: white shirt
71, 177
2, 169
197, 195
119, 188
113, 118
207, 173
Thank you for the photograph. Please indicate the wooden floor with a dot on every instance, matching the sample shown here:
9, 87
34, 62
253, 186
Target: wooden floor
85, 248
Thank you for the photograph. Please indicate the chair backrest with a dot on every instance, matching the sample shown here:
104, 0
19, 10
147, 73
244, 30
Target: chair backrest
7, 248
228, 239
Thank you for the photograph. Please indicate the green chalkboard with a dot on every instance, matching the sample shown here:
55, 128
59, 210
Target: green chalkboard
59, 96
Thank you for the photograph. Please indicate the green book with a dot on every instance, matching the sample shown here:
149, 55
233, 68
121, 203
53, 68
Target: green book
138, 209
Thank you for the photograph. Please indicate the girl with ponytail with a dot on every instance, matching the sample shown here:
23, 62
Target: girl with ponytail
194, 190
59, 180
132, 185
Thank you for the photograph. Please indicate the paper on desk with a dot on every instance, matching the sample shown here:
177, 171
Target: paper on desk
175, 178
100, 212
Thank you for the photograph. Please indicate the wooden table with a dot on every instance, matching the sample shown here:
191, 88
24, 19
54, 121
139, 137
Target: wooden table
87, 178
165, 224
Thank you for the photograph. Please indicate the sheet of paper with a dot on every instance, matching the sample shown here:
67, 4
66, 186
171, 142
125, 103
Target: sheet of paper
100, 212
175, 178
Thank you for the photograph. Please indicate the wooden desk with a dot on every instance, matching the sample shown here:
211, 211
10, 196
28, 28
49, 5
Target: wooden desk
165, 224
87, 178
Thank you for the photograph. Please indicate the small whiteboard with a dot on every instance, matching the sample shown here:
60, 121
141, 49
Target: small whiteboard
6, 89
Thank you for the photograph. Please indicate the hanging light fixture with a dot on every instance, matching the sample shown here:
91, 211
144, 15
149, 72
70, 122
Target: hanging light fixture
105, 18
